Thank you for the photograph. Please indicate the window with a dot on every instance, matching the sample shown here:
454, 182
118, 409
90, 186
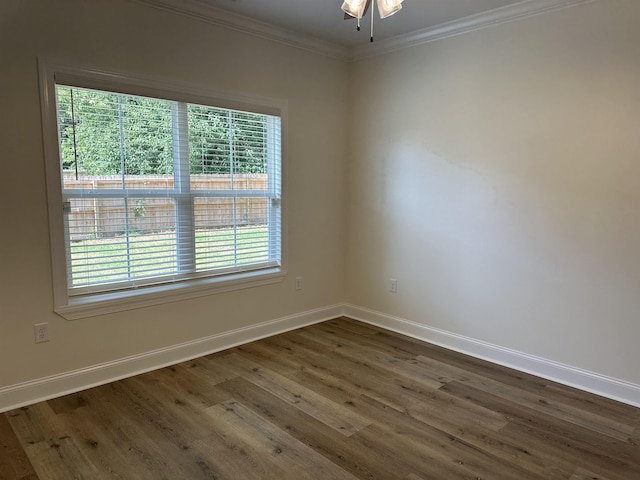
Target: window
159, 194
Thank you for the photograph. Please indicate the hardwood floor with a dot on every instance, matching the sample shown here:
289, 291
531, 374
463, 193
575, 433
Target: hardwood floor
338, 400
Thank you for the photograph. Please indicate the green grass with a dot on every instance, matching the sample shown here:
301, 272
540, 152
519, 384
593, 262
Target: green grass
140, 256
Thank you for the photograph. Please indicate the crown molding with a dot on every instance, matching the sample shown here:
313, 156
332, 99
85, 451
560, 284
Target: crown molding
204, 11
224, 18
509, 13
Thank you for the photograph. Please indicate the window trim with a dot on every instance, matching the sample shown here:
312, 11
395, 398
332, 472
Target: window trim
82, 306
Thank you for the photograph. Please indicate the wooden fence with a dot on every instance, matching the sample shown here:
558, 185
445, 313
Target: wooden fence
106, 217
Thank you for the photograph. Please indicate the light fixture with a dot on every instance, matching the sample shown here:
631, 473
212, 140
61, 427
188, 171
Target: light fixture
358, 8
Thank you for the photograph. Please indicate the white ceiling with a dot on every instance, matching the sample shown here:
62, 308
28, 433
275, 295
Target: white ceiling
323, 19
319, 25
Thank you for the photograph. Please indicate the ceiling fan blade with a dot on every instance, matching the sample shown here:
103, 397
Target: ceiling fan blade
366, 9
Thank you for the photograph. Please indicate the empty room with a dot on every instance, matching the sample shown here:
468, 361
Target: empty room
316, 239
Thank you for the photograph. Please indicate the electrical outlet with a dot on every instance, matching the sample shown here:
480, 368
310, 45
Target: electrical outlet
393, 285
298, 283
41, 331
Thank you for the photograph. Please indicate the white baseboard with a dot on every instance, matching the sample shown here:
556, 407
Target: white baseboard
27, 393
604, 386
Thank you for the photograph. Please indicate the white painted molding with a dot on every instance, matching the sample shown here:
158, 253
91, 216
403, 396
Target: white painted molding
604, 386
233, 21
121, 301
203, 11
52, 71
27, 393
509, 13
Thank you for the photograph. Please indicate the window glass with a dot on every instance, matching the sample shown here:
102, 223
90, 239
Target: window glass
159, 191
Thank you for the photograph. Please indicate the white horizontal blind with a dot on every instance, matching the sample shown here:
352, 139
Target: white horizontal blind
159, 191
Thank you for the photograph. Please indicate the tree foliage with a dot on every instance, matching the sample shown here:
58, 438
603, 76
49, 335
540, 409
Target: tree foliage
104, 133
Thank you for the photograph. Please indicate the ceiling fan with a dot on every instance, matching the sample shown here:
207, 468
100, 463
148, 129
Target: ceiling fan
358, 8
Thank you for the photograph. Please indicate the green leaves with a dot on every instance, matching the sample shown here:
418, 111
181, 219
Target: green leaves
224, 141
104, 133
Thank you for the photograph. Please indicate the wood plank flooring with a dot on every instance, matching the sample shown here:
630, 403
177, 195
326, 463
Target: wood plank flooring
338, 400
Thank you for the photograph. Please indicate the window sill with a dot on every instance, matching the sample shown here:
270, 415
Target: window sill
112, 302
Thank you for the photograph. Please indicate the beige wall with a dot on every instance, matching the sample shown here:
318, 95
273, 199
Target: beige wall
496, 175
123, 36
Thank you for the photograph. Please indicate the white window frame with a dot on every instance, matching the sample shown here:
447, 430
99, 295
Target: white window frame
73, 307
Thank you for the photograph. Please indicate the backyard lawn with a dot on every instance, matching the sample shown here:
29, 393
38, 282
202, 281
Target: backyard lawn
138, 256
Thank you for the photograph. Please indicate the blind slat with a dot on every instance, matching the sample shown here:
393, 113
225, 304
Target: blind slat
132, 221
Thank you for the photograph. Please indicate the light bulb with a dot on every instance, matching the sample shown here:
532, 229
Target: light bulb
355, 8
386, 8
